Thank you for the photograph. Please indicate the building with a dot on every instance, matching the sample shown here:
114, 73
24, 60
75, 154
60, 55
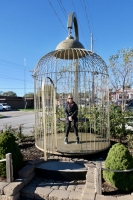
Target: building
117, 95
17, 102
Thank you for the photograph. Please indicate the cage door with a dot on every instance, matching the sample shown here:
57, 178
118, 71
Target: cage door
49, 115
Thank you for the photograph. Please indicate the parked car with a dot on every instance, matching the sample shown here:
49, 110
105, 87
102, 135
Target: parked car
119, 102
1, 108
5, 106
129, 107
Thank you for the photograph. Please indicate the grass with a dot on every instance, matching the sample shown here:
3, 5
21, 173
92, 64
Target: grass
27, 110
1, 116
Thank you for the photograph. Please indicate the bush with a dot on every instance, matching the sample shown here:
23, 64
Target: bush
119, 158
8, 145
118, 122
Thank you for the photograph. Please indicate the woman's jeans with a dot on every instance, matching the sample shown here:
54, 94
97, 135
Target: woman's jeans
68, 126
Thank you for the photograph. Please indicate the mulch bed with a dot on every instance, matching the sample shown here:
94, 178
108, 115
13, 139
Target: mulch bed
109, 190
29, 151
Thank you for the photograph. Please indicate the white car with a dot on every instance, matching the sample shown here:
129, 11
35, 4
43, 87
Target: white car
5, 106
1, 107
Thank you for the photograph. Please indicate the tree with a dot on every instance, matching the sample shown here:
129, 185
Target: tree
30, 94
121, 72
9, 93
121, 77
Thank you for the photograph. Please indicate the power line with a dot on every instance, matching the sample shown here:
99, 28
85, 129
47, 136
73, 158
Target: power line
63, 9
91, 22
12, 64
87, 15
8, 77
80, 25
57, 15
15, 88
7, 65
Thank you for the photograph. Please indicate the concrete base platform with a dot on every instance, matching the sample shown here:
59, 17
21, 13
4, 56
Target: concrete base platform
61, 170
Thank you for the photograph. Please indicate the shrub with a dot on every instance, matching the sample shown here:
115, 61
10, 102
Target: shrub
118, 122
8, 145
119, 158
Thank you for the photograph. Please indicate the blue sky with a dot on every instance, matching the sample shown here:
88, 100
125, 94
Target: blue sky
30, 29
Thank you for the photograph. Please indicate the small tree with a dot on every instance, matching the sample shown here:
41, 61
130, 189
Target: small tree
30, 94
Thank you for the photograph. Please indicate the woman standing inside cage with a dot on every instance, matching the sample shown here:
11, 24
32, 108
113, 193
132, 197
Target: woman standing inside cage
71, 112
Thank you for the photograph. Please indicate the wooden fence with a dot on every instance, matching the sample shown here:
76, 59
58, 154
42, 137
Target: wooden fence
9, 167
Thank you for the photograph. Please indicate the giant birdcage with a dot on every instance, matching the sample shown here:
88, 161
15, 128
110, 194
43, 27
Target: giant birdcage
71, 69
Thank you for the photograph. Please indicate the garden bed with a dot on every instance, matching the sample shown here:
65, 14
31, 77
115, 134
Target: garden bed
30, 152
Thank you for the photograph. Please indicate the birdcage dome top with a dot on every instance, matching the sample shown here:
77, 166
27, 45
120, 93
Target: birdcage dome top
61, 57
66, 46
70, 42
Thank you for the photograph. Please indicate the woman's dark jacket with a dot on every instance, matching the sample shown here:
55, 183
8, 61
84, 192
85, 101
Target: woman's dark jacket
71, 111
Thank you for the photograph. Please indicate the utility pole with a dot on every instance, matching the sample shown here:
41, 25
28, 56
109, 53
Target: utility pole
91, 42
25, 103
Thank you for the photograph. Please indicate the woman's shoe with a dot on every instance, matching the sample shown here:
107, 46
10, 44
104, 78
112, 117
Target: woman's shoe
66, 140
77, 140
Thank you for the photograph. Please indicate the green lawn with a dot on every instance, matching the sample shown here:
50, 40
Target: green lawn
27, 109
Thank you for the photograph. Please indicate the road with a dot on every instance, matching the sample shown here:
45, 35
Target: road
17, 118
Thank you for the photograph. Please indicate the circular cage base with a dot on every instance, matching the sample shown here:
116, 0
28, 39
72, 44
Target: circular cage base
89, 144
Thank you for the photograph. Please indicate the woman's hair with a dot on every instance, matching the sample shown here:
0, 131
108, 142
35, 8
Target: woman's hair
70, 96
